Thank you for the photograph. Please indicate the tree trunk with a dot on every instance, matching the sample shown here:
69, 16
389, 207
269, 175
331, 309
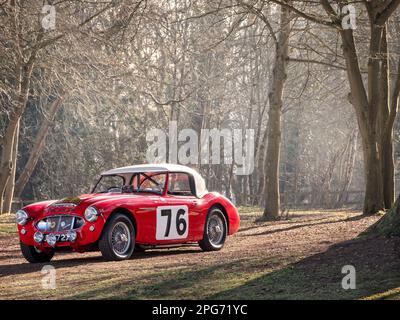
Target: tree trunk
6, 166
9, 192
385, 127
366, 107
373, 201
387, 226
387, 138
37, 148
387, 143
22, 89
272, 155
348, 164
261, 156
388, 169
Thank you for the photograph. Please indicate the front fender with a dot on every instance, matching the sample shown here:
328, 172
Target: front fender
216, 199
37, 208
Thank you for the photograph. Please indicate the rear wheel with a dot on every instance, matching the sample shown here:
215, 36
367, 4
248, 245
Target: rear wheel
118, 239
215, 231
34, 255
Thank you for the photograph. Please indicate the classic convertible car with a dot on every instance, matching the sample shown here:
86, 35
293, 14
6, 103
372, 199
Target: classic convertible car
130, 209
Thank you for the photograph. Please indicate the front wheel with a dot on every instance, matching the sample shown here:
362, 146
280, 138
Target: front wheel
215, 231
34, 255
118, 239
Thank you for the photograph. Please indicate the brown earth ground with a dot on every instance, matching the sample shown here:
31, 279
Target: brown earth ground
298, 258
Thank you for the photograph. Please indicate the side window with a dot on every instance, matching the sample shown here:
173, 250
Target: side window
179, 184
152, 182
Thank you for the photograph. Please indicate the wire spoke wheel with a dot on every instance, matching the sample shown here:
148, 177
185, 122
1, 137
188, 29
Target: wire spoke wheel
120, 238
215, 230
34, 255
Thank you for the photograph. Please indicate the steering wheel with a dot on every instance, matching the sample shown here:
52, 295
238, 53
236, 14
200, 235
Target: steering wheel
114, 189
127, 188
159, 185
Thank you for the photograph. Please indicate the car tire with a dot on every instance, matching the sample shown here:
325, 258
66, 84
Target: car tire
33, 255
117, 241
215, 231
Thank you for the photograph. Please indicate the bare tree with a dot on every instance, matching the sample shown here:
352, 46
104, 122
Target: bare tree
369, 98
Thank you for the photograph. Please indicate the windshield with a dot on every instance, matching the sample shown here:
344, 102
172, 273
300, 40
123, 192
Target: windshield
109, 184
140, 182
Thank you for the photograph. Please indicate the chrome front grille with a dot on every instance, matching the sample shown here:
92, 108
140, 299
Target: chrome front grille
60, 223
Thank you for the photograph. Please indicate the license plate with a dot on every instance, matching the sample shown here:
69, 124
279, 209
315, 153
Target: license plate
62, 237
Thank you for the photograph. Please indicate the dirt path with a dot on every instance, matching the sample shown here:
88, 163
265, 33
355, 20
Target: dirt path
264, 260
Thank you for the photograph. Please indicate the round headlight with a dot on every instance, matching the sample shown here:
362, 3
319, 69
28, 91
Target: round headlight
22, 217
43, 225
72, 236
38, 237
91, 214
51, 239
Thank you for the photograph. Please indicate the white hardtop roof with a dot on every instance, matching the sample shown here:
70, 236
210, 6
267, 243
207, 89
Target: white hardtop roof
165, 167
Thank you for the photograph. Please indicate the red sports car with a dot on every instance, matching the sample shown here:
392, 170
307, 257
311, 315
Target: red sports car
130, 209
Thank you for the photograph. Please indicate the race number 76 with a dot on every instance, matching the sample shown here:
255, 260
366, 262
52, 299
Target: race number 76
172, 222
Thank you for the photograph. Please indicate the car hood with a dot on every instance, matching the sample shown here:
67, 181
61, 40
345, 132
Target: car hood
80, 203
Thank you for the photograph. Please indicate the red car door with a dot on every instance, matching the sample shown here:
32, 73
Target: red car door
179, 219
175, 217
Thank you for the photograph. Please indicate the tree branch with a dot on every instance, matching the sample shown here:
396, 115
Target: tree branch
164, 103
306, 16
329, 9
328, 64
110, 5
258, 12
384, 15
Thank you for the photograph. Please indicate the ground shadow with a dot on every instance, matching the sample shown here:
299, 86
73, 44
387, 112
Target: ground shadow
376, 261
323, 219
25, 267
178, 283
319, 276
300, 225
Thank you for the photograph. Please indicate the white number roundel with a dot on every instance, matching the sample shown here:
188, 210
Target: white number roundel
172, 222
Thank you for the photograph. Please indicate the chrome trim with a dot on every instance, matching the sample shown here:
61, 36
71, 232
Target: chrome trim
147, 209
59, 216
67, 205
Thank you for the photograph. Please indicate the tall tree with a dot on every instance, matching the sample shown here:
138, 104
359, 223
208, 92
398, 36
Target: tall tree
25, 41
36, 150
371, 97
271, 168
274, 137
